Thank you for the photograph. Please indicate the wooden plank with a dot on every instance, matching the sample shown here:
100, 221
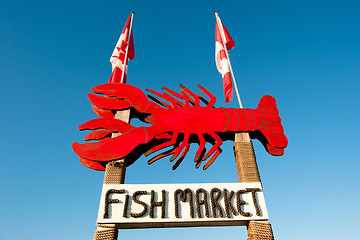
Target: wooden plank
180, 205
245, 159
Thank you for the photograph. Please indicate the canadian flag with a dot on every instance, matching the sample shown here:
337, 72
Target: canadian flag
221, 59
118, 56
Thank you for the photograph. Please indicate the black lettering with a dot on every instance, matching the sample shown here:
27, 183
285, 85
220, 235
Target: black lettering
228, 206
240, 202
108, 201
215, 206
126, 206
203, 202
154, 204
253, 193
137, 215
183, 198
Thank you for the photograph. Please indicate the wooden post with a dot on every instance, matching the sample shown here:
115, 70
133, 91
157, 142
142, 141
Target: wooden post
248, 172
114, 174
245, 158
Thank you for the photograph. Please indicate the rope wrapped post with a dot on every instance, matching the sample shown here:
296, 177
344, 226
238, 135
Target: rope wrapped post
106, 233
260, 230
114, 174
248, 172
245, 158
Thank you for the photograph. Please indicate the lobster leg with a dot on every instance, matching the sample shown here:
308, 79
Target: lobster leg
197, 101
163, 145
181, 147
167, 98
181, 158
180, 104
198, 163
203, 99
201, 147
182, 96
164, 154
217, 144
160, 102
212, 97
174, 94
186, 98
212, 159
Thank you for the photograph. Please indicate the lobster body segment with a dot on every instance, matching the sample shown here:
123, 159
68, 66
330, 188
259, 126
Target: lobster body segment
174, 122
185, 119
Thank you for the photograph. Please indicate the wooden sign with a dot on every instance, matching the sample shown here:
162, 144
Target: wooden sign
180, 205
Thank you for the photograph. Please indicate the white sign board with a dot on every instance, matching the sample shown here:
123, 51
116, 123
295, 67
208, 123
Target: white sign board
180, 205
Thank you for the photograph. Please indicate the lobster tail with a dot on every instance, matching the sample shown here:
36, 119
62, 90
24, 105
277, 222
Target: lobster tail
271, 126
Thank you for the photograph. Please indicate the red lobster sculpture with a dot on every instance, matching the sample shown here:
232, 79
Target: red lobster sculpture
177, 123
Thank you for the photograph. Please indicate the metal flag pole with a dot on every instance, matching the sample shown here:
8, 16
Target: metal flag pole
115, 170
245, 158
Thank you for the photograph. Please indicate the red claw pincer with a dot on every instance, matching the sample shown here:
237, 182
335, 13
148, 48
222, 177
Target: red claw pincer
108, 148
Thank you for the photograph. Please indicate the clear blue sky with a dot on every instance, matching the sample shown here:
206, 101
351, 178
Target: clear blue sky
304, 53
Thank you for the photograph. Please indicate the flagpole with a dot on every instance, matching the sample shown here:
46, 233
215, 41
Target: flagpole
245, 158
127, 48
218, 22
115, 170
243, 136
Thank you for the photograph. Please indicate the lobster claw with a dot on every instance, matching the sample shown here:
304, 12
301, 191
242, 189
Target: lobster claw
95, 165
119, 96
103, 127
109, 149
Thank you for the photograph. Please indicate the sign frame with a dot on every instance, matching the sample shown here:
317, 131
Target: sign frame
132, 206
